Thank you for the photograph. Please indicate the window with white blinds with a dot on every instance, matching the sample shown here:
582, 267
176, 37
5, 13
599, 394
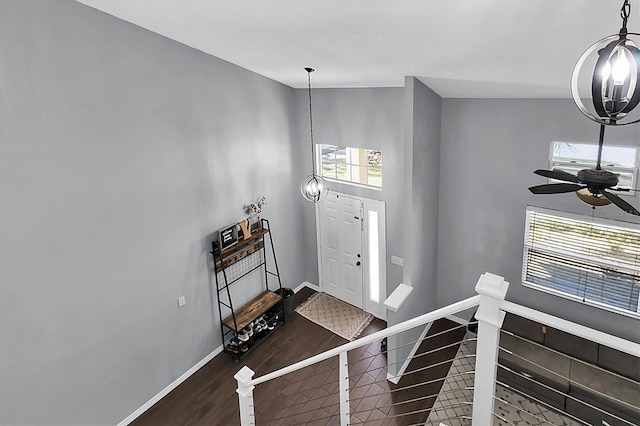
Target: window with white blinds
593, 260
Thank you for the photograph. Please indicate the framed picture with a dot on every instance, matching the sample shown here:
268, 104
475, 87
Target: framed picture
228, 236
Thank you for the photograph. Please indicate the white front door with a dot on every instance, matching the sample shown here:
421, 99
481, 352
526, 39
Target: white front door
341, 270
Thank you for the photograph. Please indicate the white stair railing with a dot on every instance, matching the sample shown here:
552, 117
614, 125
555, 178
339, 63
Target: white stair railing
576, 408
245, 395
492, 290
489, 287
491, 310
246, 384
597, 336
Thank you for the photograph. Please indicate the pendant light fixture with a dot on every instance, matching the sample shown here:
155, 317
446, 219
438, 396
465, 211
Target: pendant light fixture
313, 187
615, 94
614, 82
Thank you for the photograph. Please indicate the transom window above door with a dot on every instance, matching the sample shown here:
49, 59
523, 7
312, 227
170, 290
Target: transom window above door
358, 166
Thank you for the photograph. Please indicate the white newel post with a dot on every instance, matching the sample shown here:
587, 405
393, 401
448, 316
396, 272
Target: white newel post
245, 395
492, 290
345, 418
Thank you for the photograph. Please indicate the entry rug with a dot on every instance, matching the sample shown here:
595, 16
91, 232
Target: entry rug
337, 316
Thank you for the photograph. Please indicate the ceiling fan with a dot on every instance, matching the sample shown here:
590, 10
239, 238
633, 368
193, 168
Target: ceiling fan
593, 186
615, 93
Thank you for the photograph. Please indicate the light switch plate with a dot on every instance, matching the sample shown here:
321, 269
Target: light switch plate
397, 260
181, 301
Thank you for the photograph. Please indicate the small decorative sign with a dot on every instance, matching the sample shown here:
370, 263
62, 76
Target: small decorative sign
228, 236
245, 225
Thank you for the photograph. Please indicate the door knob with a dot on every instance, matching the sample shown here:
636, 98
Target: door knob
358, 263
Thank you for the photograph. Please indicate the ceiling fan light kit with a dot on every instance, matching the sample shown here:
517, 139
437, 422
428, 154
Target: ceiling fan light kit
313, 187
593, 200
615, 95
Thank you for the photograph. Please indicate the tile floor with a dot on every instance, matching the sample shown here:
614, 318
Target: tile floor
453, 406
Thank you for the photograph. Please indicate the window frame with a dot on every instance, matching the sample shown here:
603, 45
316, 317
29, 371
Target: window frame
573, 257
553, 164
348, 165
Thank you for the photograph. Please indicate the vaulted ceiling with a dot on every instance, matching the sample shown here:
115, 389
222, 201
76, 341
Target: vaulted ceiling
459, 48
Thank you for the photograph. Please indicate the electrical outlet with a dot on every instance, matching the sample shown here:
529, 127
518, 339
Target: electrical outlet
181, 301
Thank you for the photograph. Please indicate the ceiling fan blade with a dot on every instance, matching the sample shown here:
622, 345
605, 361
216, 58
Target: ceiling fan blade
623, 189
620, 203
555, 188
558, 175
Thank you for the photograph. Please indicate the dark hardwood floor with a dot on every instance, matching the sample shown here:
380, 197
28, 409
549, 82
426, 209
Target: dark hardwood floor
310, 396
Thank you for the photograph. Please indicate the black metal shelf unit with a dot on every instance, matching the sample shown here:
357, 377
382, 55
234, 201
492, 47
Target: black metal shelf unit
233, 263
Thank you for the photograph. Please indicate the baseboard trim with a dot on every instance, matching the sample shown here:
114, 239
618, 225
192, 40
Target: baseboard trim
306, 284
395, 379
171, 387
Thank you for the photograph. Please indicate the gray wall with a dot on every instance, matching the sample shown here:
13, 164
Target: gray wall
489, 151
405, 124
362, 118
120, 152
421, 166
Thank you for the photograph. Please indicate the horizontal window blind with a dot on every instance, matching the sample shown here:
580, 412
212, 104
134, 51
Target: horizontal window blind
593, 260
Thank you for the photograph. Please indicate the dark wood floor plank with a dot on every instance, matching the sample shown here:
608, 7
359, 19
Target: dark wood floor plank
309, 396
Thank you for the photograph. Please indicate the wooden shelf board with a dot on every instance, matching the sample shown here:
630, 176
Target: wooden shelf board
238, 255
241, 244
241, 249
252, 310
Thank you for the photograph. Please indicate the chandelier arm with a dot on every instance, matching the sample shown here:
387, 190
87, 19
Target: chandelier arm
575, 80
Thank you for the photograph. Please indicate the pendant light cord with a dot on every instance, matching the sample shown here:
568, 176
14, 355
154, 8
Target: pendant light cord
313, 147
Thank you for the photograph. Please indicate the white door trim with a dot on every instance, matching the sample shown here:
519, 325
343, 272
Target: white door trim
368, 204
